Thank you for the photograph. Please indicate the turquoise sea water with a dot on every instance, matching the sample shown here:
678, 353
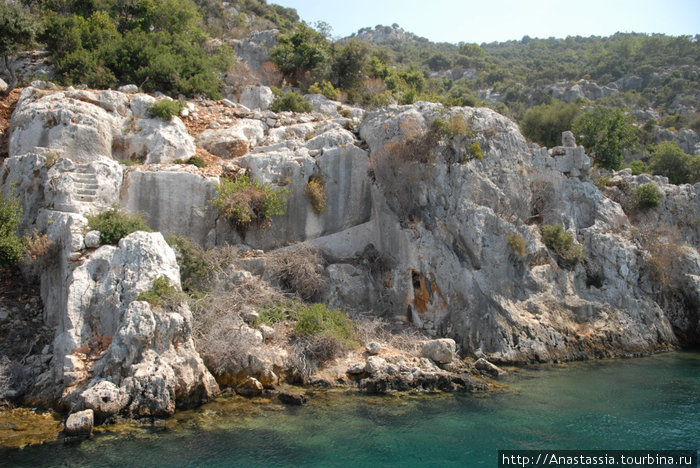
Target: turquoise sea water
648, 403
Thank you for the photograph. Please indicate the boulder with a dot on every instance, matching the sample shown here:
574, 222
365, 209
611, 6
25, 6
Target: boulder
68, 122
80, 423
485, 366
233, 141
251, 387
156, 141
3, 86
373, 348
292, 399
375, 365
356, 368
105, 399
92, 239
146, 353
441, 351
268, 333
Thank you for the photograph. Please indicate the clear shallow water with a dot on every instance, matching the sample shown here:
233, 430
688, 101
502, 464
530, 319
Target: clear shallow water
647, 403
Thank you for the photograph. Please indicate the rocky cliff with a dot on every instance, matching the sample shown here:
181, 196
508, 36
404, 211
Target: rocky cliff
433, 217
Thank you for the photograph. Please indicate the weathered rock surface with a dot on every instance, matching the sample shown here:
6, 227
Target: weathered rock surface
80, 423
112, 353
441, 351
85, 125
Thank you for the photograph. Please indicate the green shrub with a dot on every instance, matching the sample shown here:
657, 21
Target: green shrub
325, 88
161, 294
647, 196
475, 150
545, 123
517, 244
638, 167
165, 109
440, 127
157, 44
114, 224
11, 246
246, 201
605, 134
316, 194
197, 161
196, 269
602, 182
278, 312
291, 101
669, 160
317, 320
562, 242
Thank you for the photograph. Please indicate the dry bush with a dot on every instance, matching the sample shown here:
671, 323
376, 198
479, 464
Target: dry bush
301, 271
544, 199
221, 337
402, 337
315, 192
241, 75
400, 170
39, 255
308, 353
270, 74
665, 246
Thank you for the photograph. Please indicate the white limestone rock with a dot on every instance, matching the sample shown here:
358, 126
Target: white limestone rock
233, 141
441, 351
70, 122
173, 201
158, 141
256, 97
151, 357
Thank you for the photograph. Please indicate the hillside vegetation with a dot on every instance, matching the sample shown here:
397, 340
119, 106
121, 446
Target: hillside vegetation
183, 47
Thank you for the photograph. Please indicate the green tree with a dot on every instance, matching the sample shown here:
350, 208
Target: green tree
605, 133
155, 43
349, 61
304, 52
544, 124
17, 29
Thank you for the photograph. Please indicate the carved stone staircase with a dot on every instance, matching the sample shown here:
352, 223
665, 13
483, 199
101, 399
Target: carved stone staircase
85, 183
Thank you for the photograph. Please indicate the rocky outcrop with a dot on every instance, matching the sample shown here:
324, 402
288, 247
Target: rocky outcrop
418, 225
83, 126
399, 372
108, 343
255, 47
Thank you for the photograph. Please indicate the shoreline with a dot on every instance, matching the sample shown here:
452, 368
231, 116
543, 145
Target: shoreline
40, 426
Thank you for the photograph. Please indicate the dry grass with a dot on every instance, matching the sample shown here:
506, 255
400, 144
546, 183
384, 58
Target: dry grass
402, 337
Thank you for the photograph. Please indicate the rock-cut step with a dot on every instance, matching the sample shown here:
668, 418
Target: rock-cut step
85, 184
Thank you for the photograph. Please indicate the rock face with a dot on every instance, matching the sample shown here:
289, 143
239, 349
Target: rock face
85, 125
417, 226
255, 47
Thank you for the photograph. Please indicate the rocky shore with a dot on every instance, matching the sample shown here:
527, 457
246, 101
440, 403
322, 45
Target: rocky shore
418, 229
